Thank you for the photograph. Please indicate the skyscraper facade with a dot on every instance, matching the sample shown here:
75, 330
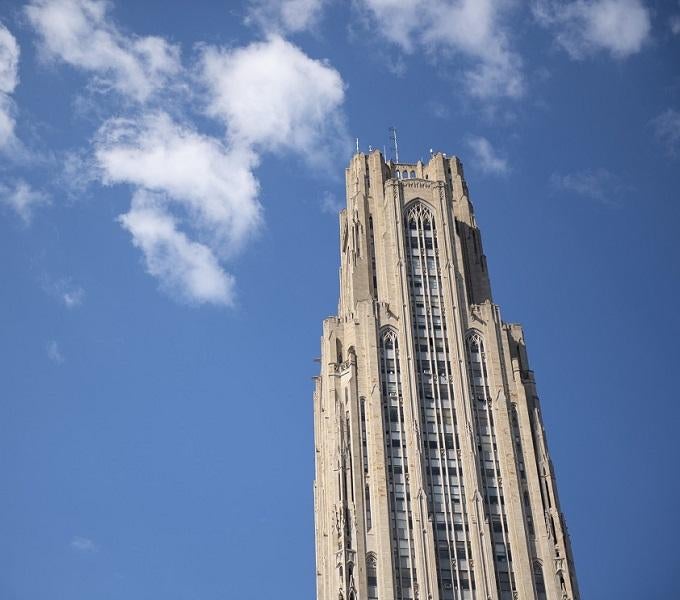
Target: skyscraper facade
433, 478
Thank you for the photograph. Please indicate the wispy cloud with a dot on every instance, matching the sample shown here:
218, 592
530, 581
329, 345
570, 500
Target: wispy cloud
584, 27
667, 130
286, 15
330, 203
474, 30
54, 352
65, 291
486, 157
22, 199
9, 65
81, 34
78, 172
674, 24
83, 544
600, 185
438, 109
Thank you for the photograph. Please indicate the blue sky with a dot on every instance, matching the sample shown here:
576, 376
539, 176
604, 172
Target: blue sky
169, 182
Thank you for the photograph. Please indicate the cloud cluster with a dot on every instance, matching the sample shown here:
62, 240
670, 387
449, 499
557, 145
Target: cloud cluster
471, 29
194, 196
583, 27
80, 33
9, 64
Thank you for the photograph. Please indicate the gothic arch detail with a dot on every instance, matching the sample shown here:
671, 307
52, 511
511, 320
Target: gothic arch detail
419, 210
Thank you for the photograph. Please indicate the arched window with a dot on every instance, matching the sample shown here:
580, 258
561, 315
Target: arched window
404, 174
413, 174
372, 576
539, 582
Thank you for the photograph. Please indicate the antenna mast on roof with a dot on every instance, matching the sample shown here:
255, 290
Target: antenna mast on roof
393, 140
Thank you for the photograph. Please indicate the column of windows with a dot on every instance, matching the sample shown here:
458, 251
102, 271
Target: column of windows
492, 485
397, 468
440, 440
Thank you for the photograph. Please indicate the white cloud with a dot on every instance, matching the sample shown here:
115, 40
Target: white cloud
188, 270
486, 157
80, 33
598, 184
9, 61
286, 15
212, 183
471, 28
9, 65
210, 187
54, 352
83, 544
667, 130
582, 27
22, 199
274, 97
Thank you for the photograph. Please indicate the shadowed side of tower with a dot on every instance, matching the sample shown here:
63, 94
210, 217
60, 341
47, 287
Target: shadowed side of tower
433, 479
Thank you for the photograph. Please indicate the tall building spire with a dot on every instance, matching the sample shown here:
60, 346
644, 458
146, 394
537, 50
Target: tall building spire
433, 479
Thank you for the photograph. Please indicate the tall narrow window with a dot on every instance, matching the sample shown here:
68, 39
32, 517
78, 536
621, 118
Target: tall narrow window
364, 457
372, 576
539, 582
374, 273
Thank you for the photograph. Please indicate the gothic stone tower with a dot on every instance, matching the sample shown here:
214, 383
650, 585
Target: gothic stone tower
433, 479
